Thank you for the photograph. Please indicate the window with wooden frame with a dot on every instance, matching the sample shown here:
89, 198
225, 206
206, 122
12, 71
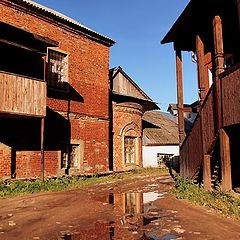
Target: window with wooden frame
70, 157
57, 70
129, 150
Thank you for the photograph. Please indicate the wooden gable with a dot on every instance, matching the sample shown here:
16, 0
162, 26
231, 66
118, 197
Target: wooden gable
122, 84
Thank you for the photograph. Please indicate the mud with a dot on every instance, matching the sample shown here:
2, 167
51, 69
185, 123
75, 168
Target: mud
141, 208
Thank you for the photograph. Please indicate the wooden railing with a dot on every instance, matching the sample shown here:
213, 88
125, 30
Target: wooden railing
202, 138
20, 95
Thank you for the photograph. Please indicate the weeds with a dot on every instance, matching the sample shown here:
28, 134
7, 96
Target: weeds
221, 202
10, 187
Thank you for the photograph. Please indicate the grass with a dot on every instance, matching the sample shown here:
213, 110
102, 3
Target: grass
221, 202
9, 188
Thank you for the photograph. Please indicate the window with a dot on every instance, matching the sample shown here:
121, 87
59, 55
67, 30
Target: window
164, 159
70, 156
57, 69
129, 150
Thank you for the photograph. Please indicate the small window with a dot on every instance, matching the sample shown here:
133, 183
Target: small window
57, 69
70, 156
129, 150
164, 159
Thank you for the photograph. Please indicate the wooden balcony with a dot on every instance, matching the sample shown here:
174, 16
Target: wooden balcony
23, 96
202, 138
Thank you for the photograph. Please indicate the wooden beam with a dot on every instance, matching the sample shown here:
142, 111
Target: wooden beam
202, 77
219, 68
225, 160
180, 95
207, 172
218, 45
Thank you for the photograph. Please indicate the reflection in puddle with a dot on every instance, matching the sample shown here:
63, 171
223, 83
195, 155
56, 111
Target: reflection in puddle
135, 217
169, 236
150, 197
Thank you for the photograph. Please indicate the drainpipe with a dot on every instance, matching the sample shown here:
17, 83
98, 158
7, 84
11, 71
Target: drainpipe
43, 124
42, 149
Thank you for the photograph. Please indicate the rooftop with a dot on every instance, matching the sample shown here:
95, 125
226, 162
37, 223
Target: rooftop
67, 20
159, 129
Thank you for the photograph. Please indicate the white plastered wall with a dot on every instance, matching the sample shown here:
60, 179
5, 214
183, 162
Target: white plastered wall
150, 153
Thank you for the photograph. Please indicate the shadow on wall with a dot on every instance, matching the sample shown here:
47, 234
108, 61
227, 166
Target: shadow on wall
64, 91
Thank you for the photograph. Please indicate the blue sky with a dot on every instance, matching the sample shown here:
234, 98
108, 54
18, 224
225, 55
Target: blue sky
137, 26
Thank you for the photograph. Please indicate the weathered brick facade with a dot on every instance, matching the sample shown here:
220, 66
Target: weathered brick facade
83, 113
127, 122
129, 102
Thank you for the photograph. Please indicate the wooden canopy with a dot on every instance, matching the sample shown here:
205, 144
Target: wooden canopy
197, 19
18, 37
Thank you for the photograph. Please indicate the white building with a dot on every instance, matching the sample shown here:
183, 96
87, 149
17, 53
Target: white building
160, 138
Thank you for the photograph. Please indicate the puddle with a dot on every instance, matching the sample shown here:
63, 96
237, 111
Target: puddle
150, 197
169, 236
134, 216
153, 236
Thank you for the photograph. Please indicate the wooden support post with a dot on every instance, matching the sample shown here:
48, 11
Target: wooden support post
180, 95
202, 77
218, 45
42, 149
207, 172
225, 161
219, 68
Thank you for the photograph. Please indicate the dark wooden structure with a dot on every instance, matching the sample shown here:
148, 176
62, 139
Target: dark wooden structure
211, 28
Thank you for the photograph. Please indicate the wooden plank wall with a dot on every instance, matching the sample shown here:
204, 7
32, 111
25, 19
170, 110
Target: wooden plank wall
191, 151
231, 97
22, 96
123, 86
208, 117
201, 139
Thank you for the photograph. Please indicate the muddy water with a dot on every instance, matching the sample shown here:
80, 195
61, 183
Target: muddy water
133, 215
139, 208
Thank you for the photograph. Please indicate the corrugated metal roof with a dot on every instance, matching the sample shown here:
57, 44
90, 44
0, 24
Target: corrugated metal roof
64, 17
159, 130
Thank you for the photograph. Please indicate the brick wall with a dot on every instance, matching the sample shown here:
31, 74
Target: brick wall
88, 62
28, 164
127, 119
5, 161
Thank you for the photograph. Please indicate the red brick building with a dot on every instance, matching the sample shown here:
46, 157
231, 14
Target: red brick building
54, 113
129, 102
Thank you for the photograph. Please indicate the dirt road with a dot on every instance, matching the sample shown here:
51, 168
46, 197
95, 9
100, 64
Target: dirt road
140, 208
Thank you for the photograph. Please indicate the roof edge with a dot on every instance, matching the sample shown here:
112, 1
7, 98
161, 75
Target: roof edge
168, 38
66, 19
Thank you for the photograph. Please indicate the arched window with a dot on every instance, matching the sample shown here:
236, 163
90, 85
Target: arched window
129, 150
130, 134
